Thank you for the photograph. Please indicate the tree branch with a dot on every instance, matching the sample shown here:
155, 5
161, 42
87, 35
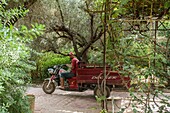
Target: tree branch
81, 40
61, 13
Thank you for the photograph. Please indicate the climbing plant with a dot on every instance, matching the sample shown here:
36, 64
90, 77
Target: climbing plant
135, 48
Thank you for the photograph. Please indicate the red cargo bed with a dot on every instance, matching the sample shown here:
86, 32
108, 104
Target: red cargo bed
92, 74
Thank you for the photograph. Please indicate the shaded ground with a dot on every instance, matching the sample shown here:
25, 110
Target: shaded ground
77, 102
64, 101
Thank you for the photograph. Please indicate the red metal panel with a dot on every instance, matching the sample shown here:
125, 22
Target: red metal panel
73, 83
93, 75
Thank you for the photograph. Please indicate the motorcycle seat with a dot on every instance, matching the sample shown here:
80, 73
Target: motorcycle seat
73, 78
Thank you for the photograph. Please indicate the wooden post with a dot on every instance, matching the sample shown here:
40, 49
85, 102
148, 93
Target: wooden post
116, 104
31, 100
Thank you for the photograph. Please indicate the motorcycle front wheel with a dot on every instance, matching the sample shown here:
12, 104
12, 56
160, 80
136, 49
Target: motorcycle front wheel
48, 88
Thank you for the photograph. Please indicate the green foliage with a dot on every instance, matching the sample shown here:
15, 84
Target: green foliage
15, 65
8, 18
139, 55
103, 111
167, 4
99, 100
95, 57
49, 60
144, 61
165, 25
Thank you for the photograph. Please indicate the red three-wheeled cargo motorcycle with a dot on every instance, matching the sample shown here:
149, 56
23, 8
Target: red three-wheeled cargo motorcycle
88, 76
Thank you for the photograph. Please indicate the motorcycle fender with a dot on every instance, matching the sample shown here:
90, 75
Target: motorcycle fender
48, 79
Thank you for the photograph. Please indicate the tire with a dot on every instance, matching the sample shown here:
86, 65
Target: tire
51, 88
98, 92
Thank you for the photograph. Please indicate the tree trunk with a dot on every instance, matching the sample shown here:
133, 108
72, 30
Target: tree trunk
84, 57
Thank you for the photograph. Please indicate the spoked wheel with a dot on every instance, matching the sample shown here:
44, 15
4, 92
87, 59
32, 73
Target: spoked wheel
48, 87
99, 92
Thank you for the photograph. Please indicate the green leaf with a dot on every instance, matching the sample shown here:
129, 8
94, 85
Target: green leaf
167, 4
124, 2
23, 28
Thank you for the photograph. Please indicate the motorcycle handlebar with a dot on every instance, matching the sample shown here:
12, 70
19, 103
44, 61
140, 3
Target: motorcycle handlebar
60, 66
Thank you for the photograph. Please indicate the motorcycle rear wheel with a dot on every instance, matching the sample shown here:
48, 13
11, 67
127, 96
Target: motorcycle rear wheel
50, 89
98, 92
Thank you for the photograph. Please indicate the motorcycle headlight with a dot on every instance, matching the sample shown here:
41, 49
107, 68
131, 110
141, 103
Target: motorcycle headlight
51, 71
55, 66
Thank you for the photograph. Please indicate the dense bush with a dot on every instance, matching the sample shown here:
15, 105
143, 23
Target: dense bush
15, 65
47, 60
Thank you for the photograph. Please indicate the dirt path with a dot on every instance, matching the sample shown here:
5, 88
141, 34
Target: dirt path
64, 101
75, 102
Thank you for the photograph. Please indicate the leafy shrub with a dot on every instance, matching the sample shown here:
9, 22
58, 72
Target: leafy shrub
48, 60
15, 65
